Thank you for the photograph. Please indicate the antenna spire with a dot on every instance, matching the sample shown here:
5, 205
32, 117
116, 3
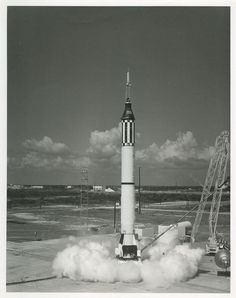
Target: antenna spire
128, 85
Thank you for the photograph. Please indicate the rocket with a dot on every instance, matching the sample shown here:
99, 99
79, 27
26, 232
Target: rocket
128, 246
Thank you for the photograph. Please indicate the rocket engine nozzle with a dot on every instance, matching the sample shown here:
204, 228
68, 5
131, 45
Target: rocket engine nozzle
129, 251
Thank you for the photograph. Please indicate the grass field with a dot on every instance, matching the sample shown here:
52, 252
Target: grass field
47, 214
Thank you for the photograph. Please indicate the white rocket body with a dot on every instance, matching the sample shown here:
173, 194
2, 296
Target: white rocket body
128, 248
127, 190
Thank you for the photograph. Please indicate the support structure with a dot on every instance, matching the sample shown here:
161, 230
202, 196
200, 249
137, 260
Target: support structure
84, 189
215, 175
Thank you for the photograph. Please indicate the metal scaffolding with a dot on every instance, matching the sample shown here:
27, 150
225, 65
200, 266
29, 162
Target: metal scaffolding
84, 196
216, 172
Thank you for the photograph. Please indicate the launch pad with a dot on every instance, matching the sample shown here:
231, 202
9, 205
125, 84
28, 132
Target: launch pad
128, 252
29, 262
29, 270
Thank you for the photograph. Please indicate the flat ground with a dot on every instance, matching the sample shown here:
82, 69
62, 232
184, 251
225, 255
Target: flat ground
35, 236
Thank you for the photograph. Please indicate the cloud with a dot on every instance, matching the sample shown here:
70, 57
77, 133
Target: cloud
105, 146
104, 153
182, 152
77, 162
46, 145
35, 159
13, 162
47, 154
49, 162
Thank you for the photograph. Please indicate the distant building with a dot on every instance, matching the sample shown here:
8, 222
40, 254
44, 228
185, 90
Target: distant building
97, 188
37, 186
109, 190
15, 186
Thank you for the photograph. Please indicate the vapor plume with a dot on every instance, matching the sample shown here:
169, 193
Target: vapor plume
167, 263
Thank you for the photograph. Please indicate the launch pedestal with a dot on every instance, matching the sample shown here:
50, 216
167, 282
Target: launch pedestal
127, 249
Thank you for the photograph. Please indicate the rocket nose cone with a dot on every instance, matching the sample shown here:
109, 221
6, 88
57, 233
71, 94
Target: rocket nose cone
128, 113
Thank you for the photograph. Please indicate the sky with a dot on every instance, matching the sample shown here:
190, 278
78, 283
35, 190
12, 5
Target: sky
66, 91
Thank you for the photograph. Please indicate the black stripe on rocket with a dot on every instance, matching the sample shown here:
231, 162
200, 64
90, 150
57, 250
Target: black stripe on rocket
128, 133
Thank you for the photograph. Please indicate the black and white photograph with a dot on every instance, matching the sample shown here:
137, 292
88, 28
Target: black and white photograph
118, 149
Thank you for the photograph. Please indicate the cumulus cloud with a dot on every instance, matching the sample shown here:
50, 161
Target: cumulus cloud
47, 154
104, 152
13, 162
41, 160
182, 152
105, 146
34, 159
46, 145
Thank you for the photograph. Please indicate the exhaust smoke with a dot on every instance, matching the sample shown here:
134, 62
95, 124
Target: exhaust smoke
166, 263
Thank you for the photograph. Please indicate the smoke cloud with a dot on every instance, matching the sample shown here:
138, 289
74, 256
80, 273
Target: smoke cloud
168, 262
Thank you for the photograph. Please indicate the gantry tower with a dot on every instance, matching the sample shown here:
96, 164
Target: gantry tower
215, 178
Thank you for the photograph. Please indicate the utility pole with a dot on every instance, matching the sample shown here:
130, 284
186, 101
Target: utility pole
115, 215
